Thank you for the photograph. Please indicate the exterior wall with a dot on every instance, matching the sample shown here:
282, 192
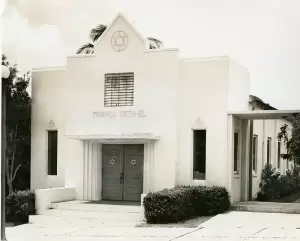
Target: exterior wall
239, 87
160, 108
82, 93
48, 103
198, 81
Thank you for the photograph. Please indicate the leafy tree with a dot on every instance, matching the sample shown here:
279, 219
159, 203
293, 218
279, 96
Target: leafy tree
18, 131
95, 34
292, 142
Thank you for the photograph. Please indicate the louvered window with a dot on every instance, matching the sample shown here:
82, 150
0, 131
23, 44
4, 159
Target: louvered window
119, 89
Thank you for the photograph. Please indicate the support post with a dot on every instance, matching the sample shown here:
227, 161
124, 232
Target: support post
245, 160
3, 160
250, 161
230, 155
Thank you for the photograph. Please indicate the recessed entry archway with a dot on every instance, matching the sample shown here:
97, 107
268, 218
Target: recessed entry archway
130, 147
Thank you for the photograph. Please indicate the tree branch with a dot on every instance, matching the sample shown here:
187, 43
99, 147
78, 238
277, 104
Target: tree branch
13, 154
7, 172
18, 167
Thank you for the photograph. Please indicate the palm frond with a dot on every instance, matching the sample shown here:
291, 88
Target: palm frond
97, 32
86, 49
154, 43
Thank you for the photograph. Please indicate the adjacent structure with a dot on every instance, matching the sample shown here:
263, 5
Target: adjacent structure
127, 120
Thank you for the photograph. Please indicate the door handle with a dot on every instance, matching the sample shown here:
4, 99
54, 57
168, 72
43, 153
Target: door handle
121, 178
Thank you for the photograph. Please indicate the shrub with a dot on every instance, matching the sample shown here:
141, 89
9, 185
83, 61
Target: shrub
19, 205
274, 185
269, 184
184, 202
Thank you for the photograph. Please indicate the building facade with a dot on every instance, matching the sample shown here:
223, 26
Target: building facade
126, 121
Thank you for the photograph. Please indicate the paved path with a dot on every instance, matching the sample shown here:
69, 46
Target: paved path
230, 227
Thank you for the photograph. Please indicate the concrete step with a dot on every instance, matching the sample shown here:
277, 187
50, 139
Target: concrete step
95, 207
93, 215
268, 207
55, 221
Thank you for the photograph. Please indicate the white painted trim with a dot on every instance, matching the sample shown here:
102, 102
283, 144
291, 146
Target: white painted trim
54, 68
214, 58
100, 171
81, 56
197, 182
263, 114
148, 163
191, 156
113, 137
161, 50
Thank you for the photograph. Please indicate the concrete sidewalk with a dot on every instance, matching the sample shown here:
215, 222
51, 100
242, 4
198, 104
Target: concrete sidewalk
230, 226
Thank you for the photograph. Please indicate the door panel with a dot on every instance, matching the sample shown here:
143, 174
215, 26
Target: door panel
112, 161
133, 172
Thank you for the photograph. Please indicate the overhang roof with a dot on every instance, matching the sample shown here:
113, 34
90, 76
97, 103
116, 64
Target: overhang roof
121, 136
265, 114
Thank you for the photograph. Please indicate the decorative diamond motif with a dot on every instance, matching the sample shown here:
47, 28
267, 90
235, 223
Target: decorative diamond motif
51, 125
112, 161
199, 125
133, 162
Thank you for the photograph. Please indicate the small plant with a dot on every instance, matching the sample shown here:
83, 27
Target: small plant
19, 205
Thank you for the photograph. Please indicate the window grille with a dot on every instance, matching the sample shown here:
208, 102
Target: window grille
119, 89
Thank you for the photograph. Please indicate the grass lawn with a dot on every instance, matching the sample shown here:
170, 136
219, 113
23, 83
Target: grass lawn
9, 224
191, 223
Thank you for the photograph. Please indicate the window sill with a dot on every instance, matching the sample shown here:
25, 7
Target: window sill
236, 175
199, 182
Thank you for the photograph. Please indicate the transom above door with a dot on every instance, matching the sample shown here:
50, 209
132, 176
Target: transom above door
122, 172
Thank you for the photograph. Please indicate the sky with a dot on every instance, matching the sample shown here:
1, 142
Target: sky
262, 35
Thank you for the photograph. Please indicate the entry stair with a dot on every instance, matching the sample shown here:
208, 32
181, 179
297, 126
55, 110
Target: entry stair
84, 213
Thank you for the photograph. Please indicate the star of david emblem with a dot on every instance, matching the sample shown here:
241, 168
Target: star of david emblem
112, 162
133, 162
119, 40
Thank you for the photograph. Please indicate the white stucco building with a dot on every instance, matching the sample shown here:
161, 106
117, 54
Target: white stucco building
127, 120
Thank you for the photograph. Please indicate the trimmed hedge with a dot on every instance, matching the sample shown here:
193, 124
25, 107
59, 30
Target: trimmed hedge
19, 205
185, 202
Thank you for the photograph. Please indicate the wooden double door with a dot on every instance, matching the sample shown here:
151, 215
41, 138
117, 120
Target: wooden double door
122, 172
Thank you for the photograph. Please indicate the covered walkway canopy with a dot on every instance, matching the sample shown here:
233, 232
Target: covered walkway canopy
247, 118
265, 114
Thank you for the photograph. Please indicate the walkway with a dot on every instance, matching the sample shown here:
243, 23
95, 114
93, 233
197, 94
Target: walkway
270, 207
231, 226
